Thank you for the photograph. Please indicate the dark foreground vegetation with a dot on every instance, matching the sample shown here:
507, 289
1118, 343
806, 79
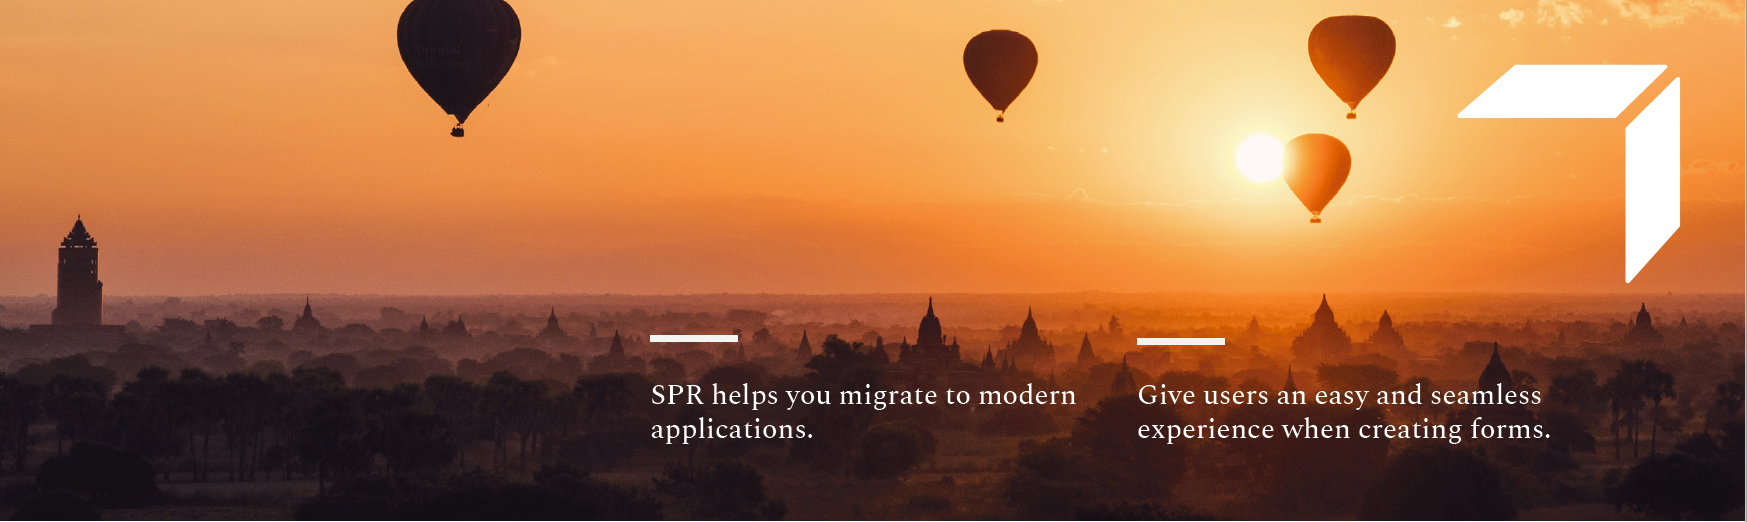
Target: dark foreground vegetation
526, 435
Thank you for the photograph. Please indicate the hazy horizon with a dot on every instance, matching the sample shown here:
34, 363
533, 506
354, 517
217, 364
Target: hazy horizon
1063, 311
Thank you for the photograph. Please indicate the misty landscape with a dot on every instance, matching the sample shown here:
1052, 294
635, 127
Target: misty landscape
875, 260
261, 406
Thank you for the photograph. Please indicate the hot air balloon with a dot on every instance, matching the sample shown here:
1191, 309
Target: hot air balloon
459, 50
1000, 64
1351, 53
1316, 166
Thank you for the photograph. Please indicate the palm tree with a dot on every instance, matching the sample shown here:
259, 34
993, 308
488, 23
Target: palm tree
1624, 400
458, 401
20, 406
245, 398
513, 405
1728, 403
1658, 385
198, 401
335, 438
77, 405
144, 411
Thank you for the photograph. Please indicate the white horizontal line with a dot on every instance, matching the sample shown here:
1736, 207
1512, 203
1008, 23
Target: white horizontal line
694, 338
1180, 341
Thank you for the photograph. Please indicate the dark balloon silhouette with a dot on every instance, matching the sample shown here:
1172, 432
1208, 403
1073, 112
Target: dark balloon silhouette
1351, 53
1000, 63
459, 50
1316, 167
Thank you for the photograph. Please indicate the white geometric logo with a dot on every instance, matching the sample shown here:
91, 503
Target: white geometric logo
1604, 91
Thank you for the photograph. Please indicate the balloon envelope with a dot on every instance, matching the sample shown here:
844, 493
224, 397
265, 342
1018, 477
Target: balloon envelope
1000, 64
1316, 166
1351, 54
459, 50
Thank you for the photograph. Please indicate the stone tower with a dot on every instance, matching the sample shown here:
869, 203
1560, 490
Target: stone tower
79, 295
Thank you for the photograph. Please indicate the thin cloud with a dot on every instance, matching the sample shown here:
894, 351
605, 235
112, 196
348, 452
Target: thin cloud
1707, 167
1452, 24
1557, 13
1078, 195
1416, 197
1512, 16
1675, 12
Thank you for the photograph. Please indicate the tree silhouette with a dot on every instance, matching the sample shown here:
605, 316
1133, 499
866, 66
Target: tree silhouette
245, 401
720, 490
459, 403
77, 405
1567, 433
336, 438
1657, 385
1576, 392
19, 408
270, 323
889, 450
409, 438
1322, 478
71, 366
198, 400
665, 370
1725, 410
1051, 480
1417, 382
1018, 420
517, 406
835, 429
606, 403
144, 416
1670, 486
1435, 481
1625, 399
1356, 377
1130, 468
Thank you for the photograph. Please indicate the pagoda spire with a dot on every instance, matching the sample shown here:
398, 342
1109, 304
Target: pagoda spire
79, 237
1087, 356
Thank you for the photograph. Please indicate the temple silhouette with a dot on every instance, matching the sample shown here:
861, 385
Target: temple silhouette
307, 322
1030, 352
1642, 332
1386, 340
1495, 377
552, 334
78, 313
933, 363
1324, 340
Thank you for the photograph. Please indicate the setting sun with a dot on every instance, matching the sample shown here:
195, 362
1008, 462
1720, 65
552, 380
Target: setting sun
1259, 158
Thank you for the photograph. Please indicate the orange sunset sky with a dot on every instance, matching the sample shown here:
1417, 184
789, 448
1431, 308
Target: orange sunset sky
683, 146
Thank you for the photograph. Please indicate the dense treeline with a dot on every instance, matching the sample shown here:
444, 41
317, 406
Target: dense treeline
392, 451
416, 449
308, 422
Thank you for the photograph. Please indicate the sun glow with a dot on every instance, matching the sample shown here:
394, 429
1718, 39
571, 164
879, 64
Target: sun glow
1259, 158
